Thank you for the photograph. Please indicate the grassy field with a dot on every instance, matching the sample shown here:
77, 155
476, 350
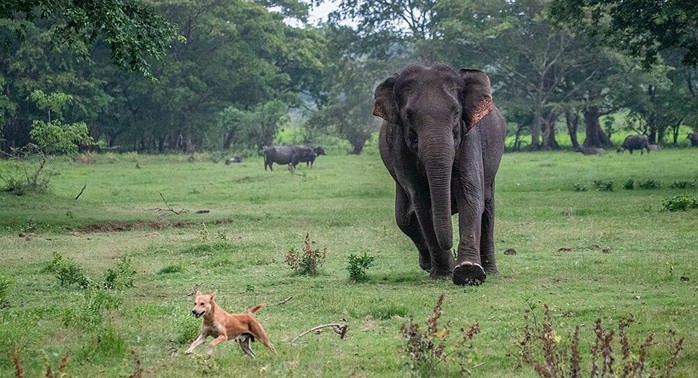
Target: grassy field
649, 269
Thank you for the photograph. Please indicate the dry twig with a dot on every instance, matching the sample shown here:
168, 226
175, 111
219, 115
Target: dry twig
340, 328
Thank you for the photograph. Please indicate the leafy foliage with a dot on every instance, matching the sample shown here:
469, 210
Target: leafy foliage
680, 203
358, 265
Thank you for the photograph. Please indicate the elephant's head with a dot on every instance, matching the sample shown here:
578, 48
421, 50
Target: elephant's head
434, 108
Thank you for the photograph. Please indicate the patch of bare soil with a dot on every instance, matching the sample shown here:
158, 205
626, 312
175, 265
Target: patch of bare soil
141, 225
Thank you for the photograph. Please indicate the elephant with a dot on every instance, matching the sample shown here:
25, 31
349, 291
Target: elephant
290, 155
442, 140
635, 142
591, 150
309, 159
693, 137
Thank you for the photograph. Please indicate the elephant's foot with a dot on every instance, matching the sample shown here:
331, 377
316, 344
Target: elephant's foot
425, 262
468, 273
437, 274
490, 269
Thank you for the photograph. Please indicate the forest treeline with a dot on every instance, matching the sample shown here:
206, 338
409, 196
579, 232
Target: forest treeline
179, 75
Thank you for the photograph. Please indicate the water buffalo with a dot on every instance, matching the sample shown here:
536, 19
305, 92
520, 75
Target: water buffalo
635, 142
693, 137
591, 150
653, 147
290, 155
309, 159
233, 160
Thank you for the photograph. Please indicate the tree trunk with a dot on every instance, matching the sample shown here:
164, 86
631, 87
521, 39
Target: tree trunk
535, 132
572, 121
595, 135
549, 142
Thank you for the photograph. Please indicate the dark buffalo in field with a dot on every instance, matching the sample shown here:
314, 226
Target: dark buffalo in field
635, 142
289, 155
693, 137
308, 158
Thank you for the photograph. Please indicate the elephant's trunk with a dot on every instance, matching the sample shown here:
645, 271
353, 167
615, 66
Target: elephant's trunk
439, 170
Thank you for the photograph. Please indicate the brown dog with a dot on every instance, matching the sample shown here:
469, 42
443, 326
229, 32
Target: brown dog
224, 326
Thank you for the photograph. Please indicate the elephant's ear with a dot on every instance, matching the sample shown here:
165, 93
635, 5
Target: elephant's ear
385, 105
477, 96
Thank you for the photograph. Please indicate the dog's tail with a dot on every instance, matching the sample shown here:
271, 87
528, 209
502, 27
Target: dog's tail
255, 308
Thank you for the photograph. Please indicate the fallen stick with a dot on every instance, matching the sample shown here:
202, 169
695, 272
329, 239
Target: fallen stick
81, 190
339, 328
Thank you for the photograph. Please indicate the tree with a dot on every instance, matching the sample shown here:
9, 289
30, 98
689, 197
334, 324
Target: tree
642, 28
254, 129
132, 29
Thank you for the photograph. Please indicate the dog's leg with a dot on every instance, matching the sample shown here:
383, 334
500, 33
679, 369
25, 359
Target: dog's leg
245, 341
221, 338
199, 340
258, 331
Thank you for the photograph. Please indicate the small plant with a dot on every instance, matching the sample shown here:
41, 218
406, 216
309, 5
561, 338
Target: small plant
679, 203
121, 276
580, 187
682, 185
68, 272
603, 186
307, 261
649, 184
427, 349
171, 269
544, 350
5, 284
89, 312
629, 185
358, 265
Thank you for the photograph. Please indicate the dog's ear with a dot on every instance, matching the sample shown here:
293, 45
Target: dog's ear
198, 292
213, 294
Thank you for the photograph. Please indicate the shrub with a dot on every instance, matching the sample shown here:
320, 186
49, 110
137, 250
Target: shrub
427, 349
603, 186
68, 272
358, 265
649, 184
121, 276
542, 348
5, 284
89, 312
580, 187
682, 185
629, 185
679, 203
171, 269
307, 261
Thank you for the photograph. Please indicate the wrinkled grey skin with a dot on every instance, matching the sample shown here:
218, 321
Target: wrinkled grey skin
442, 140
635, 142
693, 137
289, 155
653, 147
309, 159
591, 150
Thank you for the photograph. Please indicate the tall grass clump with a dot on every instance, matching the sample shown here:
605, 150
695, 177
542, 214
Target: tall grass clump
550, 356
426, 349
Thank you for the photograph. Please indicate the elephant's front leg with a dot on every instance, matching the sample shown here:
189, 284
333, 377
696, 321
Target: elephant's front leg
442, 261
469, 193
406, 219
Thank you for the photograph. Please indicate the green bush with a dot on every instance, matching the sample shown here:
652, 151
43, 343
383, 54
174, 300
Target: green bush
649, 184
5, 284
580, 187
68, 272
682, 185
603, 186
629, 185
358, 265
680, 203
121, 276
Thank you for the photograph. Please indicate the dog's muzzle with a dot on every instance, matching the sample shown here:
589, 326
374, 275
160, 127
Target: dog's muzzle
197, 314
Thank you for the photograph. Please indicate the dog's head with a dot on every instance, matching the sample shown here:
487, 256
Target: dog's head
203, 303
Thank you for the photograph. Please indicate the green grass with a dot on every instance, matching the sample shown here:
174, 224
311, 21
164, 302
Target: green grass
345, 203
